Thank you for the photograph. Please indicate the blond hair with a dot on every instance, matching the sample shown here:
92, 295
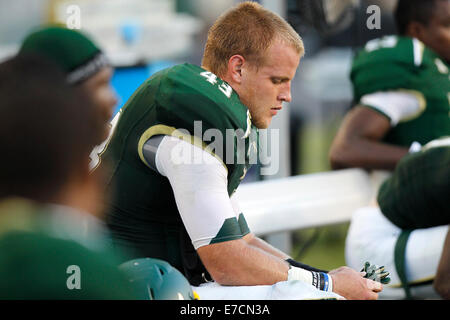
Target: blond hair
248, 29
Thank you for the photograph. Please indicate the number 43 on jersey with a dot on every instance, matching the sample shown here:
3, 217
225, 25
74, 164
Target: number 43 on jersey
224, 87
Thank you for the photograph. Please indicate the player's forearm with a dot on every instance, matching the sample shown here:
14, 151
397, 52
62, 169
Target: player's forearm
238, 263
359, 142
362, 152
253, 240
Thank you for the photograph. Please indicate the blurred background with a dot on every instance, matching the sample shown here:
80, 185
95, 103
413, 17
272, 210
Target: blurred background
141, 37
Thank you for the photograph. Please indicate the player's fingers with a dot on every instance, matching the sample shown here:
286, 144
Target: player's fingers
373, 296
375, 286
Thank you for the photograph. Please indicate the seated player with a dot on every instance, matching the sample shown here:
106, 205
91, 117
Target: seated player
47, 131
408, 229
173, 193
401, 85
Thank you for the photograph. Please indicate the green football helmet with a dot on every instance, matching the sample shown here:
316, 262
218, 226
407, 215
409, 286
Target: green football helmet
157, 280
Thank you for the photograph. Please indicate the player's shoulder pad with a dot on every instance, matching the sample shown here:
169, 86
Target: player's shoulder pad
386, 63
392, 50
192, 93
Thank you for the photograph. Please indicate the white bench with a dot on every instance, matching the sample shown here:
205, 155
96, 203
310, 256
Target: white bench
304, 201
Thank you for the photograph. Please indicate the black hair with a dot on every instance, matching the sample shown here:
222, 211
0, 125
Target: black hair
413, 10
47, 129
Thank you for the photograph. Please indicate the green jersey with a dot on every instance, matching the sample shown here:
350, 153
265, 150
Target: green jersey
405, 65
187, 102
417, 193
41, 259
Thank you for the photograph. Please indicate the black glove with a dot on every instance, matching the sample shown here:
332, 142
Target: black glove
303, 266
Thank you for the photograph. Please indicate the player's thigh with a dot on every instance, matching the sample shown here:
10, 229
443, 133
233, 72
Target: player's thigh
371, 237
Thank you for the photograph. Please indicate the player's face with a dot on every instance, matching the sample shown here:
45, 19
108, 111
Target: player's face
436, 34
98, 87
264, 89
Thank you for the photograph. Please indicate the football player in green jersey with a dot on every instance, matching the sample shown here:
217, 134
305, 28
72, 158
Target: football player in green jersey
416, 197
173, 192
47, 194
409, 225
401, 89
401, 84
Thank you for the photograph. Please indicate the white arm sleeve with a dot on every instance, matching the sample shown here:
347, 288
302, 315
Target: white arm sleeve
396, 105
199, 183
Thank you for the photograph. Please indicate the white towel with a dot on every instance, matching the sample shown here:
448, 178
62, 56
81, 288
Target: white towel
284, 290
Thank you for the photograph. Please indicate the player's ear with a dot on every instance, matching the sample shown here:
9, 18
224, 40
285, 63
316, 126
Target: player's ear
416, 30
235, 64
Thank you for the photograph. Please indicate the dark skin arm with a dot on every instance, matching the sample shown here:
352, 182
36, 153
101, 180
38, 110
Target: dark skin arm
442, 280
358, 142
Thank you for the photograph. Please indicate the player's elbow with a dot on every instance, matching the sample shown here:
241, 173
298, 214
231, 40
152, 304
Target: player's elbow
228, 262
341, 155
222, 274
217, 260
219, 276
337, 160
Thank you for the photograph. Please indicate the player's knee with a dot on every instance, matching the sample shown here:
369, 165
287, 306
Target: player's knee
442, 285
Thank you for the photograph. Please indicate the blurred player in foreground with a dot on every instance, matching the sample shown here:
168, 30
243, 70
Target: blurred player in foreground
47, 193
84, 64
88, 71
173, 193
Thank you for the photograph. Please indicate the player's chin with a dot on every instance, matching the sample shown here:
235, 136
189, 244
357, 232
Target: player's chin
261, 122
273, 114
264, 124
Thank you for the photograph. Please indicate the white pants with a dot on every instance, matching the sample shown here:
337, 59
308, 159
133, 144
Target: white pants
372, 237
284, 290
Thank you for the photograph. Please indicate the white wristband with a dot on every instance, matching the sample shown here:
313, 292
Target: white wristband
320, 280
296, 273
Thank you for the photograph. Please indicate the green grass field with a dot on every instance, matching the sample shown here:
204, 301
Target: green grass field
324, 246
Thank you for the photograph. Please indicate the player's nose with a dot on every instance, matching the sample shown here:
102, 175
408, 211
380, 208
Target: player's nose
285, 94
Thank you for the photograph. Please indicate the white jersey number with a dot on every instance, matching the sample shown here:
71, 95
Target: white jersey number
224, 87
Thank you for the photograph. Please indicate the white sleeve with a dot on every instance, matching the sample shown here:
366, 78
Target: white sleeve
199, 183
235, 205
396, 105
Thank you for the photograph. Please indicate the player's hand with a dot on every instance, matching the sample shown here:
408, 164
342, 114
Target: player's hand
376, 273
353, 286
